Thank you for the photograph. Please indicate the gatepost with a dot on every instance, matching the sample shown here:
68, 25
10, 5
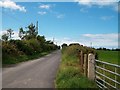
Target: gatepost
91, 66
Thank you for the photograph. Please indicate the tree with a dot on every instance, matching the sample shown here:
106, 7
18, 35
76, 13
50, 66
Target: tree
104, 48
64, 45
4, 37
75, 44
10, 33
21, 33
41, 39
49, 42
32, 31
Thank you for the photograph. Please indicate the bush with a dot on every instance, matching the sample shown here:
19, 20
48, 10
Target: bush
24, 49
72, 50
23, 46
35, 45
64, 45
9, 49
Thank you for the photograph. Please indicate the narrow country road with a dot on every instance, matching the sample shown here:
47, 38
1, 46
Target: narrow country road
39, 73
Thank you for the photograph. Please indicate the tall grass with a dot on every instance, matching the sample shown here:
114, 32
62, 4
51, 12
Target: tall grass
69, 75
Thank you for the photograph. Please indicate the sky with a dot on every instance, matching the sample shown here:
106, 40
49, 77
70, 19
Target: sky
80, 21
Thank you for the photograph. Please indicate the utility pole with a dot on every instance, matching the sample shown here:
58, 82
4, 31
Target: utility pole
53, 40
91, 44
37, 27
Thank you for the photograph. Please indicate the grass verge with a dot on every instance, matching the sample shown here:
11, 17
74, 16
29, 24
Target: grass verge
69, 75
8, 60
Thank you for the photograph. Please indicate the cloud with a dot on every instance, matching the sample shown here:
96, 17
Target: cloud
96, 2
107, 17
14, 36
42, 12
102, 40
60, 16
117, 7
109, 40
99, 3
12, 5
45, 6
60, 41
105, 36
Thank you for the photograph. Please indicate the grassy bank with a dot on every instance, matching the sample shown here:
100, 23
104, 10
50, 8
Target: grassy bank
69, 75
22, 58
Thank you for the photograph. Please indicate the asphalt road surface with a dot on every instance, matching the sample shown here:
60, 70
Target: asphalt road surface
39, 73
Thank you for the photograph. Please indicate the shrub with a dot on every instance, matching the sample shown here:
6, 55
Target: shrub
64, 45
26, 48
72, 50
23, 46
9, 49
35, 45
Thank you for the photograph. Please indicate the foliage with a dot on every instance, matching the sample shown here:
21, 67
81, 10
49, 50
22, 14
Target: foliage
16, 48
22, 33
35, 45
32, 32
22, 46
64, 45
30, 44
69, 75
41, 39
10, 33
4, 37
106, 49
10, 49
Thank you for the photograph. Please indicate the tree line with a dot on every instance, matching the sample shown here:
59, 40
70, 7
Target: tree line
30, 43
106, 49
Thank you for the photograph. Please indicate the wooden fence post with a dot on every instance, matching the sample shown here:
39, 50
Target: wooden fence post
79, 55
91, 67
85, 65
81, 60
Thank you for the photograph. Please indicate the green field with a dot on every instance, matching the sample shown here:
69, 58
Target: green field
108, 56
111, 57
69, 75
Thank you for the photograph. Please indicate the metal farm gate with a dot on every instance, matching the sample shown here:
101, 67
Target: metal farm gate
107, 75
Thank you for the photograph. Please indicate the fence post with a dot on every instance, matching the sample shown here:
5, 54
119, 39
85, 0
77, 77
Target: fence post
85, 65
91, 66
81, 60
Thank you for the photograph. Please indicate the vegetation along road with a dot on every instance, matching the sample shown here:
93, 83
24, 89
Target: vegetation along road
39, 73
